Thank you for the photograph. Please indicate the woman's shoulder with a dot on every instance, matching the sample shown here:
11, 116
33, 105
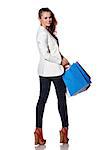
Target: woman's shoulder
42, 29
42, 32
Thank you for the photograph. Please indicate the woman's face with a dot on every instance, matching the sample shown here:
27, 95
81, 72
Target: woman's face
46, 19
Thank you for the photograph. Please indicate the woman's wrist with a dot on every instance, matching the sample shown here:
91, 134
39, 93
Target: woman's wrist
64, 62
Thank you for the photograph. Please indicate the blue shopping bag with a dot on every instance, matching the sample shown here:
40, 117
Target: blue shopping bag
76, 79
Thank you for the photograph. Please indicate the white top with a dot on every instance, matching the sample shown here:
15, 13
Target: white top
50, 58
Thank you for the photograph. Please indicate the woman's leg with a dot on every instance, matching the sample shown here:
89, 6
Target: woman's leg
44, 92
62, 106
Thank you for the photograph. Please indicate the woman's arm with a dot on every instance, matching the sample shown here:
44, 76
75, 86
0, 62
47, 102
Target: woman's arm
42, 42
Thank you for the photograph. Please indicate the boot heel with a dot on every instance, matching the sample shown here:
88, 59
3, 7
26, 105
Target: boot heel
36, 139
61, 137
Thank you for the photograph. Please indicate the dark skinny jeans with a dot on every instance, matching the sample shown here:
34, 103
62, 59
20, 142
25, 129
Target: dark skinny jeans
60, 88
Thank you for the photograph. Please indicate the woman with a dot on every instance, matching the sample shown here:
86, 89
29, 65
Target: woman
51, 67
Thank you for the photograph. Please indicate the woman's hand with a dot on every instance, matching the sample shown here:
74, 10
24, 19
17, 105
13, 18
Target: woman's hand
65, 63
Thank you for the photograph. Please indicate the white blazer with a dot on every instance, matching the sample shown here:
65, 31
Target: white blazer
50, 58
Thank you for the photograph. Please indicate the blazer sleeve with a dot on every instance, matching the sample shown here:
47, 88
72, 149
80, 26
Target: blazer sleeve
42, 42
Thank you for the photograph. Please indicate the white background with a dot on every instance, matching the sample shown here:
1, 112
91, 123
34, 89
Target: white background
19, 82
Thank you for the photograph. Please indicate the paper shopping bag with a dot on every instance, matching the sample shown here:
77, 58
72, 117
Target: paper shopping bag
76, 79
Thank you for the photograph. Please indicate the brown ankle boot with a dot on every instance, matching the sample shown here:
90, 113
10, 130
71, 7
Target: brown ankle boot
64, 135
39, 137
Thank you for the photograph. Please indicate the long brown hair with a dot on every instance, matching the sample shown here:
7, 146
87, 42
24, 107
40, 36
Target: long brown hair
52, 27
